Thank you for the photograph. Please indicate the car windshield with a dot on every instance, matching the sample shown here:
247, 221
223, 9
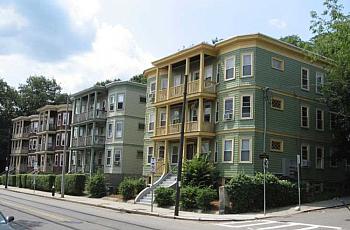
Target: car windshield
2, 219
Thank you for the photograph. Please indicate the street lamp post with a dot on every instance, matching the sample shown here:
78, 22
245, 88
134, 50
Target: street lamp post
264, 158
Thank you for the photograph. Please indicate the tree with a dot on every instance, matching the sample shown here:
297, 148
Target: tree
104, 83
331, 39
297, 41
8, 110
37, 92
140, 78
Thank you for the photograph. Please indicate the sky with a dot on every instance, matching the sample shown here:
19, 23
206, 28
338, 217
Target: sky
80, 42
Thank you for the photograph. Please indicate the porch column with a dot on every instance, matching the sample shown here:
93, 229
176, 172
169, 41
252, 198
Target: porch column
48, 120
167, 119
155, 120
157, 85
95, 104
73, 112
201, 71
45, 162
200, 113
184, 150
22, 128
88, 104
19, 163
166, 159
170, 70
46, 141
92, 153
80, 105
83, 161
86, 134
199, 146
93, 133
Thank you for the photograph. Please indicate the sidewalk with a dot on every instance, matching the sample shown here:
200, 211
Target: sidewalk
169, 213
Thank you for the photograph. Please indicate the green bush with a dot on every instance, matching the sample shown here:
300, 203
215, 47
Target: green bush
74, 184
188, 197
246, 192
200, 172
19, 181
24, 180
204, 197
164, 197
29, 181
45, 182
130, 187
1, 179
12, 180
97, 186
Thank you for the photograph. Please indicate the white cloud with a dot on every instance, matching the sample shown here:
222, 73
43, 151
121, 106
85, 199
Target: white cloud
114, 54
9, 18
278, 23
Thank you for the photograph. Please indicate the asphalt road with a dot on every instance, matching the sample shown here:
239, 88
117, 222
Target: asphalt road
32, 212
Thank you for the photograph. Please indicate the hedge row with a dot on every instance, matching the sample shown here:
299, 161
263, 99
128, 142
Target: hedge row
130, 187
246, 192
190, 197
74, 183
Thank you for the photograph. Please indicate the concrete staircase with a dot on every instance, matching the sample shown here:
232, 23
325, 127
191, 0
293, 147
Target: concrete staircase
145, 196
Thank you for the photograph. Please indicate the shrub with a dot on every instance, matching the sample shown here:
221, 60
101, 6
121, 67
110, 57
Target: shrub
246, 192
18, 181
74, 184
44, 182
188, 197
130, 187
12, 180
200, 172
164, 197
24, 180
204, 197
97, 186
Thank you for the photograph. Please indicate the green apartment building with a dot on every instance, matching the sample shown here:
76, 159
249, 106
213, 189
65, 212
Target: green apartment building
107, 130
227, 84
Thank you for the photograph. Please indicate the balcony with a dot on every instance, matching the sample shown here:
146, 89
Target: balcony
88, 141
190, 126
44, 127
192, 88
94, 114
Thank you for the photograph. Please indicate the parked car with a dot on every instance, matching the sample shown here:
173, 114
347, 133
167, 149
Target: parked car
5, 222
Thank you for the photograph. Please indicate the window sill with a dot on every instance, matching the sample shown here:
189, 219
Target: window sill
247, 118
229, 79
248, 76
245, 162
306, 90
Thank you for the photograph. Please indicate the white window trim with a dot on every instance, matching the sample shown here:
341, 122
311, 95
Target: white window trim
250, 149
277, 59
117, 101
322, 158
252, 64
223, 150
301, 116
63, 137
217, 76
205, 71
322, 112
251, 107
107, 129
308, 79
150, 146
149, 122
111, 157
233, 107
322, 82
308, 151
282, 103
120, 156
234, 67
275, 150
217, 104
122, 129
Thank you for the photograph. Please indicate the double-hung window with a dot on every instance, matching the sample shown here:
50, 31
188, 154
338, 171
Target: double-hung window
208, 71
120, 102
304, 117
111, 102
319, 119
207, 111
319, 157
56, 159
319, 82
117, 155
152, 87
63, 139
61, 160
161, 152
109, 157
305, 155
151, 122
230, 68
247, 60
110, 130
58, 139
65, 119
228, 108
228, 150
305, 84
217, 111
246, 107
59, 119
164, 83
118, 129
177, 80
246, 150
149, 154
162, 119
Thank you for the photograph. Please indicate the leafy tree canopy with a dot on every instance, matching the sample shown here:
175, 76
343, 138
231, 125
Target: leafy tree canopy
37, 92
297, 41
140, 78
104, 83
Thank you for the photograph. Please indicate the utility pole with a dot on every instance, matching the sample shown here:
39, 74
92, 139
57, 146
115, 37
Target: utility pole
179, 164
265, 157
299, 190
7, 172
64, 149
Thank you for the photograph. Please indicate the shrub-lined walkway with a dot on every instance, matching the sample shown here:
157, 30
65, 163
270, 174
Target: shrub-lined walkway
169, 213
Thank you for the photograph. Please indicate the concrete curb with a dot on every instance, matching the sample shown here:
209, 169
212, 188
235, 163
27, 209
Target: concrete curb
146, 213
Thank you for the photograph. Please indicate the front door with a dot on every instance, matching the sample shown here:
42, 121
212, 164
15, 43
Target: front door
190, 151
174, 154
